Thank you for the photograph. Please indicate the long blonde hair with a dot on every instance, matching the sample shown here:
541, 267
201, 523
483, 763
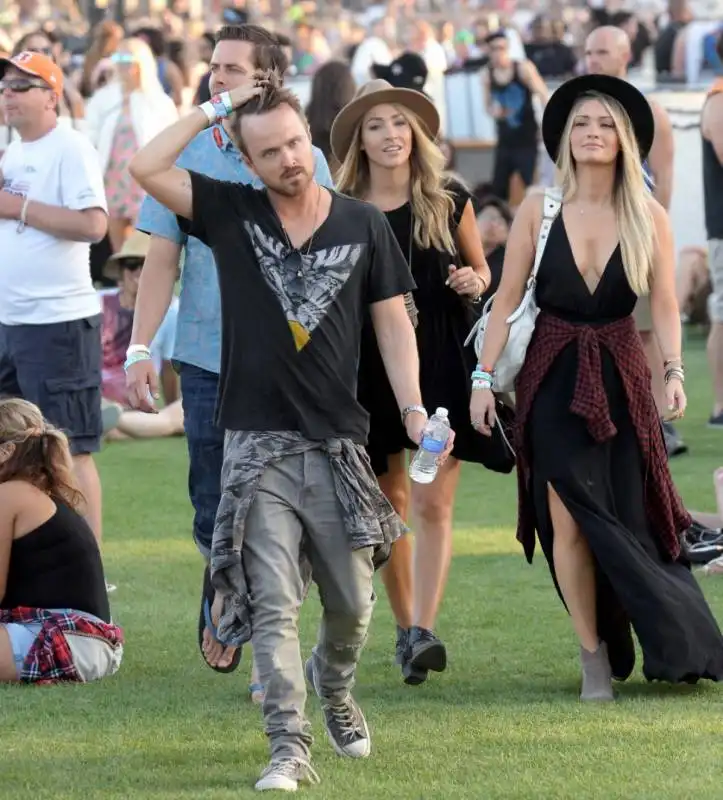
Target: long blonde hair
432, 204
38, 452
149, 82
636, 229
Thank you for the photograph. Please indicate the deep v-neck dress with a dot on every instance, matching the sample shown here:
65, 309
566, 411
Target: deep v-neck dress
602, 486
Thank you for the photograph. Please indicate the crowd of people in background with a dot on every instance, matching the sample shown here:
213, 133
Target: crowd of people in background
377, 76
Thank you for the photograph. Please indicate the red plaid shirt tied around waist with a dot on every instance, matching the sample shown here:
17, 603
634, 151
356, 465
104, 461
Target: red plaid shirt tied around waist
664, 509
50, 658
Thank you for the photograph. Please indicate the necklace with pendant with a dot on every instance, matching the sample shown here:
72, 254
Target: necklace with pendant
300, 270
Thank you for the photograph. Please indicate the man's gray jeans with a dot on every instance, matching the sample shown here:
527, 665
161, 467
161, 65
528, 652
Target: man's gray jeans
296, 505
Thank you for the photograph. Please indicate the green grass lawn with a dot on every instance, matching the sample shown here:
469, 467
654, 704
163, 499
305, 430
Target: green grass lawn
503, 721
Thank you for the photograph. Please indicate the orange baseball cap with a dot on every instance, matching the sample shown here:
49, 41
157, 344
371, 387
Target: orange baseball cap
37, 65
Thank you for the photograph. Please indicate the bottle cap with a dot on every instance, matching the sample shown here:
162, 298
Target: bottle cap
441, 412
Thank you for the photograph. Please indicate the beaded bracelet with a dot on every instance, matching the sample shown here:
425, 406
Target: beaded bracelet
134, 358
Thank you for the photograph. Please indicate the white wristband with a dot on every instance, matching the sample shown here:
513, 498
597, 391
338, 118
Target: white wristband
137, 348
209, 111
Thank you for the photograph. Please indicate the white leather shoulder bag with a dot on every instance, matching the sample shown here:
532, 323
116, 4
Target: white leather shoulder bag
522, 320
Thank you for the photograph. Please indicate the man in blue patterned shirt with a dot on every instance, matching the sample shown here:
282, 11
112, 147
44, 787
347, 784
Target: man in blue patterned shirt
241, 50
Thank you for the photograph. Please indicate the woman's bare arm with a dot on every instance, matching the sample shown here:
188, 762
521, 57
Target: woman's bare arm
470, 244
519, 258
663, 300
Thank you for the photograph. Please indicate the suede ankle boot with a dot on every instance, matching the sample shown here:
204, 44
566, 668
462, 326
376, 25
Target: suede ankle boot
597, 679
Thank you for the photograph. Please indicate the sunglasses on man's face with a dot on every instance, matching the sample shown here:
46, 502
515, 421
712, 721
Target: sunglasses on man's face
45, 51
21, 85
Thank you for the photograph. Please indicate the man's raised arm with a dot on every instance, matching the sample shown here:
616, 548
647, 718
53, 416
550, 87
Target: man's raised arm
154, 167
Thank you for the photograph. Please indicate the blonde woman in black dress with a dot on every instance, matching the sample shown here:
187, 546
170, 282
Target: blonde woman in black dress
592, 468
384, 140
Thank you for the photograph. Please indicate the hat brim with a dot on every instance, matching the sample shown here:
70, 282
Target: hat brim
342, 131
5, 63
563, 100
382, 71
113, 266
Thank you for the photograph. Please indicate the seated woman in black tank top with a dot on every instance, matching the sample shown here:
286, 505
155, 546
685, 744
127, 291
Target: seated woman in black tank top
52, 586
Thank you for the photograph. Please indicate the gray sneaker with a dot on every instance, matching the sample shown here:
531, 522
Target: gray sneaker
285, 775
401, 647
345, 723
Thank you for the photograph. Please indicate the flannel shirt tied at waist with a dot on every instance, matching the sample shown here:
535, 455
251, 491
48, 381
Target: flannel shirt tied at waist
664, 508
50, 658
370, 518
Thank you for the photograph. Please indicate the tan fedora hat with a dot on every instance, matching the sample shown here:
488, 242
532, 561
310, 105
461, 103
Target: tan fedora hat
373, 94
135, 247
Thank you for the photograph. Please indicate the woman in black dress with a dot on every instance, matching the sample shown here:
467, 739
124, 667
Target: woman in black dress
384, 140
55, 622
592, 469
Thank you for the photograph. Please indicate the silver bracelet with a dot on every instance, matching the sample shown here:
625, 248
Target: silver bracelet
23, 221
415, 409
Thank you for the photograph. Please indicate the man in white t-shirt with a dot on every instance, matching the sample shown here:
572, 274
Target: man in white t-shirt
52, 206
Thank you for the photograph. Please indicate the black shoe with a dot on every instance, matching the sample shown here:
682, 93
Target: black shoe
345, 723
673, 443
402, 642
621, 647
425, 652
716, 421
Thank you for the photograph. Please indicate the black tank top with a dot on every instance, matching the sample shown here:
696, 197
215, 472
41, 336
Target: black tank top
713, 185
519, 127
58, 565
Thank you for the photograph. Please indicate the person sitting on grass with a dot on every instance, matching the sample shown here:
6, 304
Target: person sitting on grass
119, 421
55, 622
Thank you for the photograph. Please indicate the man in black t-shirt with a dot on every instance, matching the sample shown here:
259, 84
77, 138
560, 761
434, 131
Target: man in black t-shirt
298, 267
510, 87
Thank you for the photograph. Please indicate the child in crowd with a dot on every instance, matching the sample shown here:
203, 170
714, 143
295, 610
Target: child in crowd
55, 622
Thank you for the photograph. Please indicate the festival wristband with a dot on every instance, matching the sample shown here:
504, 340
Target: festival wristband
210, 112
478, 385
225, 98
135, 358
220, 106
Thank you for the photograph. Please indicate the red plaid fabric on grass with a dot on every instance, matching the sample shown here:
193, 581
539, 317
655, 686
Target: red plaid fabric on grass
50, 659
664, 508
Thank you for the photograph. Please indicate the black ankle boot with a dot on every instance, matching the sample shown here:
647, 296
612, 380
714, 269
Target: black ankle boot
424, 653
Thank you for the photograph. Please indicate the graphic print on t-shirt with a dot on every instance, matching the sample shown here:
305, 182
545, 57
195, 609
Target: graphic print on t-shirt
307, 285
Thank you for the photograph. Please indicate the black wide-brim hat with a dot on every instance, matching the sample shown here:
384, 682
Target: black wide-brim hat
564, 98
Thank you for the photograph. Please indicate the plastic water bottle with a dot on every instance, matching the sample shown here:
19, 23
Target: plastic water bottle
423, 468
